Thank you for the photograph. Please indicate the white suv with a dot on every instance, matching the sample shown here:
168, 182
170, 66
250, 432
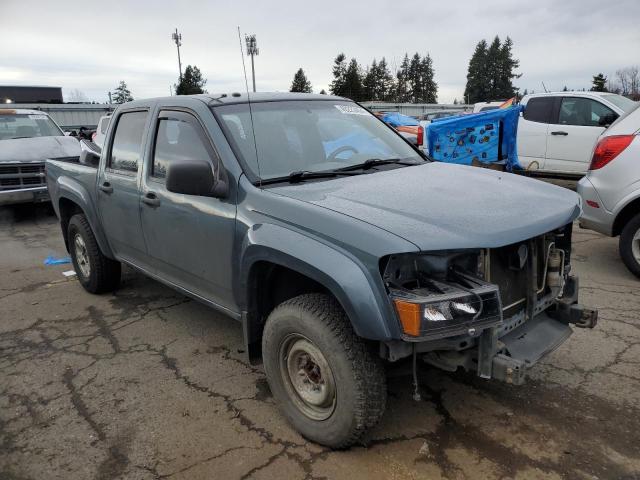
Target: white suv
611, 189
557, 131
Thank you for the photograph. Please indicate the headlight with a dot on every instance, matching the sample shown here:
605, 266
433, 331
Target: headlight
461, 304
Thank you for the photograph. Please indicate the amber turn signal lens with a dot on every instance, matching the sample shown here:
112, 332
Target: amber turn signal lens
409, 314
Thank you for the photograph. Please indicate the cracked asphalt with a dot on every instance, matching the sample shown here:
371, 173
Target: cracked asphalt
146, 384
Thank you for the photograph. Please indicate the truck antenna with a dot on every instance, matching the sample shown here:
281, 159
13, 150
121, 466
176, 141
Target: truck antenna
545, 88
246, 85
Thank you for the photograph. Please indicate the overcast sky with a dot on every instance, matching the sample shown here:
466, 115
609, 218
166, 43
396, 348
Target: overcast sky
91, 46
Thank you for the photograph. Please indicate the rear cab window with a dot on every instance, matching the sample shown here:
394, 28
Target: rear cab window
126, 149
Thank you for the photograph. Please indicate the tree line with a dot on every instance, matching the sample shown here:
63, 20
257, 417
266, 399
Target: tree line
412, 82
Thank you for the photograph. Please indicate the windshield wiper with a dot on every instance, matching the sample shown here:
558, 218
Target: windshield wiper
301, 175
372, 162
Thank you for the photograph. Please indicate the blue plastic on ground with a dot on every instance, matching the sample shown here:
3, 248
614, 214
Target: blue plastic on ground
483, 137
51, 260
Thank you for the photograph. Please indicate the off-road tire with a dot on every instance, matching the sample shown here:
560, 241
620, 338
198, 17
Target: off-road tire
360, 381
626, 242
104, 273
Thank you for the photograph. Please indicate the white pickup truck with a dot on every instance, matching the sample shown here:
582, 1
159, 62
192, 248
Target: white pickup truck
558, 131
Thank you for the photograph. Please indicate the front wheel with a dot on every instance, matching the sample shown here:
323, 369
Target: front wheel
96, 273
325, 379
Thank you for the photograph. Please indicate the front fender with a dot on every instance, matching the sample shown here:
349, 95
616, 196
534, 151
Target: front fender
74, 191
360, 292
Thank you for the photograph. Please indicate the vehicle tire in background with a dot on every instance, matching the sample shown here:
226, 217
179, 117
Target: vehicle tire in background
630, 245
326, 381
96, 273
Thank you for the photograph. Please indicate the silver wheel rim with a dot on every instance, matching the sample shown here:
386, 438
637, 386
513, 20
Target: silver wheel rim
635, 246
307, 377
82, 257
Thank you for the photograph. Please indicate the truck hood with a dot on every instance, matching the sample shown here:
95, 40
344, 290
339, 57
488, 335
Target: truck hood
38, 149
440, 206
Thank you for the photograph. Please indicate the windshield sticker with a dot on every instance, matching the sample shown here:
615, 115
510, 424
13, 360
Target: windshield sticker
38, 117
351, 110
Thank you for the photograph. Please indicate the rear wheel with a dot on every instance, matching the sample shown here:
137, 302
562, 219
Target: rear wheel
96, 273
326, 380
630, 245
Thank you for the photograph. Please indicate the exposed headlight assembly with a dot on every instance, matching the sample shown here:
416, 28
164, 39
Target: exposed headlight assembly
448, 303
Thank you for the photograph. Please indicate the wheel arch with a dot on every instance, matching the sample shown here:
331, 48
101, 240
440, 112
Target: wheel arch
629, 211
278, 264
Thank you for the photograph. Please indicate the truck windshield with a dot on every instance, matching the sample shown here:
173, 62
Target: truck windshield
26, 126
310, 136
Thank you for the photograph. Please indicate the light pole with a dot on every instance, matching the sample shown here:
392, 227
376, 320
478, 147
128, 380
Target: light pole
252, 50
177, 38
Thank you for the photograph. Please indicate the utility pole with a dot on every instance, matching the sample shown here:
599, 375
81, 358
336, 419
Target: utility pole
110, 98
252, 50
177, 38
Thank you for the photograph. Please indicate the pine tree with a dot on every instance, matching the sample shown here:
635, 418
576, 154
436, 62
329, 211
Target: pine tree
122, 93
477, 86
599, 83
352, 87
429, 86
369, 82
506, 65
387, 86
300, 83
415, 77
494, 69
339, 71
323, 92
192, 82
402, 76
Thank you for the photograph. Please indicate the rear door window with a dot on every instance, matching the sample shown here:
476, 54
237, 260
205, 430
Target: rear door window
126, 151
539, 109
585, 112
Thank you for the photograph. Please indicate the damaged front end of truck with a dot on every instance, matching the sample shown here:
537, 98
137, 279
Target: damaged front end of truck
494, 311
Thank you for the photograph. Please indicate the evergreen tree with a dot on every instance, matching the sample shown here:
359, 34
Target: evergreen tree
323, 92
122, 93
339, 72
369, 82
506, 74
352, 87
387, 86
402, 78
477, 86
565, 89
414, 79
300, 83
494, 69
429, 86
599, 83
192, 82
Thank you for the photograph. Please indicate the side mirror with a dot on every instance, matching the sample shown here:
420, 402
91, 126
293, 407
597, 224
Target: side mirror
194, 177
89, 153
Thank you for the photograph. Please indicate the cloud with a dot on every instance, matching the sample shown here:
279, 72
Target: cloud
97, 45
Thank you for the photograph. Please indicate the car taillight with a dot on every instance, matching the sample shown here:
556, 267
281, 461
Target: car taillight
420, 139
609, 148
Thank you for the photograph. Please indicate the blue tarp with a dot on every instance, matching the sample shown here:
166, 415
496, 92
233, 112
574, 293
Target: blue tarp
399, 120
486, 137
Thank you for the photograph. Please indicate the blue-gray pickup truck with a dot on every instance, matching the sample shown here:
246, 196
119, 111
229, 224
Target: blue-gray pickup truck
337, 244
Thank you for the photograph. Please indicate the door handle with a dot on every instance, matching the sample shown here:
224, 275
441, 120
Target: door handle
564, 134
106, 187
151, 199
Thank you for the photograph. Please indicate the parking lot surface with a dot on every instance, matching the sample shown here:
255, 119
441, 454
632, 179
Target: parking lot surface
146, 384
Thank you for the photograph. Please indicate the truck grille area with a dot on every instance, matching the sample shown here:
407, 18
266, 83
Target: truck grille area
22, 176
